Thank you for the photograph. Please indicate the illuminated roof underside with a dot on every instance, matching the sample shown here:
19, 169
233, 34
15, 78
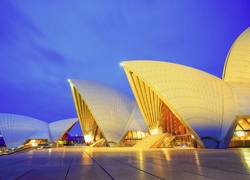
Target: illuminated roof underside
105, 110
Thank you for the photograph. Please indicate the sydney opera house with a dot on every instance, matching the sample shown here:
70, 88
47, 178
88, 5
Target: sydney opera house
175, 105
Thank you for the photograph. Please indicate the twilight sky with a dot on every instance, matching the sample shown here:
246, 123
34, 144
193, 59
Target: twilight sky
44, 43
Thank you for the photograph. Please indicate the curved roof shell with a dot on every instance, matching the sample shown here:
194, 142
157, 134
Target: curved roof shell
237, 72
237, 65
42, 133
58, 128
201, 101
112, 110
16, 129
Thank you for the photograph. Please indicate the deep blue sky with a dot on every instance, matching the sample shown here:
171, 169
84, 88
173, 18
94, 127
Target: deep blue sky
43, 43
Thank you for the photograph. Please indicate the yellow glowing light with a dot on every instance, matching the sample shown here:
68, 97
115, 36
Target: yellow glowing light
240, 133
87, 138
240, 121
154, 131
33, 143
192, 136
138, 134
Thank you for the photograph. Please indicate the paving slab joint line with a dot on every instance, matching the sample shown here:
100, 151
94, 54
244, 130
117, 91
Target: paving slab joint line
182, 170
98, 164
14, 163
177, 170
69, 167
135, 168
32, 169
243, 173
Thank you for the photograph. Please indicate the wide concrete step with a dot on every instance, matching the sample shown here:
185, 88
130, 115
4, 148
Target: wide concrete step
98, 143
151, 141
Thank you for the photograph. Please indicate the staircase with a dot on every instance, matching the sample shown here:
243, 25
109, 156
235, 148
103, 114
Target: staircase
98, 143
151, 141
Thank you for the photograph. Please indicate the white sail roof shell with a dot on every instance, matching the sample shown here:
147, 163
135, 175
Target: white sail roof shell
58, 128
237, 65
112, 110
42, 133
202, 100
16, 129
237, 72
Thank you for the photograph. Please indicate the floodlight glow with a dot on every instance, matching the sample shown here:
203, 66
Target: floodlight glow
121, 64
87, 138
68, 80
154, 131
138, 134
33, 143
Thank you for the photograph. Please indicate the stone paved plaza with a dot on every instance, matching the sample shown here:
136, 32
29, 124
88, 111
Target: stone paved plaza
127, 163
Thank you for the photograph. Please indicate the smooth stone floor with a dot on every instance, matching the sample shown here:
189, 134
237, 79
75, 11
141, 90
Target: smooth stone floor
127, 163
